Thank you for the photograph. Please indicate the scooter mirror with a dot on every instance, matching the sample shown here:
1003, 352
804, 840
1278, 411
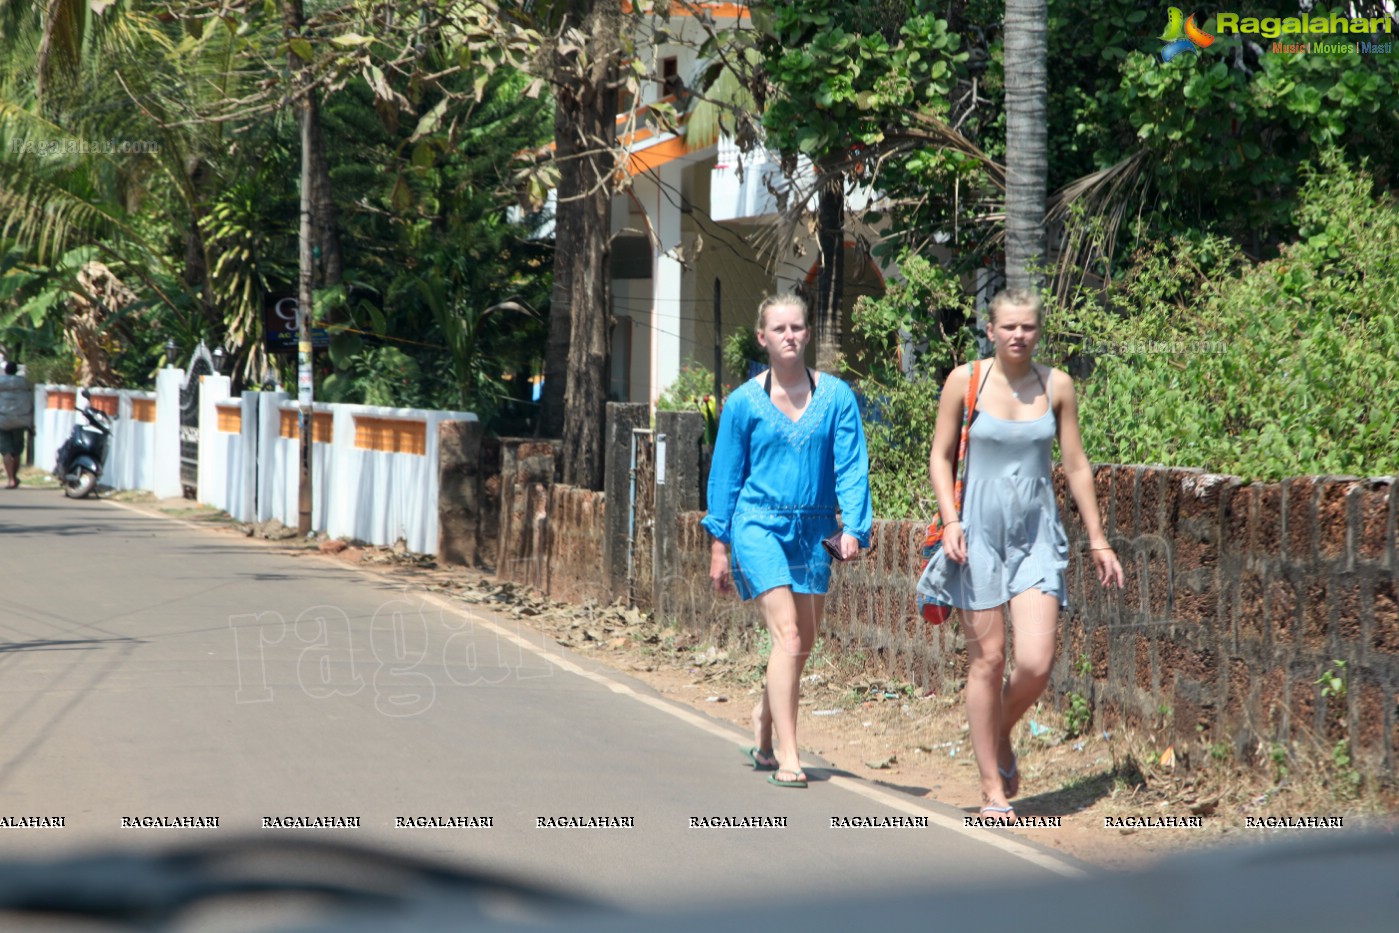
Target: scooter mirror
87, 394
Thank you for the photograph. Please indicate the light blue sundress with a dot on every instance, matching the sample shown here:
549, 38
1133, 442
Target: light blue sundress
1010, 519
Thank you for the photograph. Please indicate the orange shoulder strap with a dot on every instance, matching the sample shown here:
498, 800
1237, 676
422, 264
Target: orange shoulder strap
971, 391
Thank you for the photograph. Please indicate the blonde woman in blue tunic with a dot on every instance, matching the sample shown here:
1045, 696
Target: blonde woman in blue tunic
1007, 547
790, 451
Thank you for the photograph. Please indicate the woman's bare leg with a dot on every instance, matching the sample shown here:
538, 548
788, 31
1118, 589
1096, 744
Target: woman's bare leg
985, 636
762, 731
1035, 618
791, 620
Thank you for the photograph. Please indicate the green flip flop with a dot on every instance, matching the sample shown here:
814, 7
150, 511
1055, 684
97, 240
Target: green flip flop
753, 754
799, 782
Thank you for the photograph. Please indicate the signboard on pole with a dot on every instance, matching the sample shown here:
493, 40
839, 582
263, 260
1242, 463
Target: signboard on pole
279, 326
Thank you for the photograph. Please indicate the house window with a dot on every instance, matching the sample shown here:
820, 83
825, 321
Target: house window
631, 257
670, 77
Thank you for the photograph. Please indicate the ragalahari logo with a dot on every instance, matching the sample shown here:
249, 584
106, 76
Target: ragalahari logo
1182, 36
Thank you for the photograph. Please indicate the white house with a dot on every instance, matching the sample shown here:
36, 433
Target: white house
689, 219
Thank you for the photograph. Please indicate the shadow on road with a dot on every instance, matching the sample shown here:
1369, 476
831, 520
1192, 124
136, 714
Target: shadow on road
66, 644
1069, 799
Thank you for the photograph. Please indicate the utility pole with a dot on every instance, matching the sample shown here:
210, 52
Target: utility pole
304, 305
293, 24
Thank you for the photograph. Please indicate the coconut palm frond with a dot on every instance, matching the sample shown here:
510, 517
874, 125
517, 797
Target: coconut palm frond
933, 132
61, 45
22, 128
57, 189
926, 131
50, 209
1091, 211
718, 105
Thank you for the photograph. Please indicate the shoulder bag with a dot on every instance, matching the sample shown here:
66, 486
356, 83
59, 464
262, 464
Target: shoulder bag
933, 612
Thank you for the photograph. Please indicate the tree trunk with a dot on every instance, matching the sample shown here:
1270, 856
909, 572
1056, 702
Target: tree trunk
830, 284
197, 272
586, 98
1027, 160
551, 402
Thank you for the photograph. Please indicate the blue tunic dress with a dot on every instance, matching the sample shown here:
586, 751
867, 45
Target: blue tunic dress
1010, 519
775, 484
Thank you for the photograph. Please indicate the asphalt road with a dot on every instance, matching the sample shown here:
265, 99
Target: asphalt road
153, 670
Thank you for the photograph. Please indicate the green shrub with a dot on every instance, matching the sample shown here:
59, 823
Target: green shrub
58, 369
377, 376
693, 390
902, 408
1197, 357
740, 348
1203, 358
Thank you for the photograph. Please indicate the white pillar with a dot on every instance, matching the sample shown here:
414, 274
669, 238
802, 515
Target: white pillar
167, 433
269, 462
213, 471
246, 483
666, 307
340, 513
42, 443
125, 453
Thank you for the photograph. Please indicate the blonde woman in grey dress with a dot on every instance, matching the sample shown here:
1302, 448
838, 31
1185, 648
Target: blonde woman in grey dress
1007, 547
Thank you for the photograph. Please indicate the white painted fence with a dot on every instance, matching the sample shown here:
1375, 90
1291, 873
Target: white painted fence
374, 470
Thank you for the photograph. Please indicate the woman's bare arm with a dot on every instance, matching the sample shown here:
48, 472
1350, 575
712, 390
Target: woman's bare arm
946, 433
1079, 473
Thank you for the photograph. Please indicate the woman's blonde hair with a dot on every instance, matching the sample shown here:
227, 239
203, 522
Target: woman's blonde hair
1015, 296
773, 301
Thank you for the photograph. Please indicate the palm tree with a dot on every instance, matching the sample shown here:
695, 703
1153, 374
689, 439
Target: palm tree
68, 185
83, 83
1027, 162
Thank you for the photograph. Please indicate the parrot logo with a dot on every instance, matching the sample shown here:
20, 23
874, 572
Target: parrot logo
1182, 36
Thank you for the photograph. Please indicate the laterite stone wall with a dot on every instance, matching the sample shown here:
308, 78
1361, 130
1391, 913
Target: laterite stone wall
1238, 598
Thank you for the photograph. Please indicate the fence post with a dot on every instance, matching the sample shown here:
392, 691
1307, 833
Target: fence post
678, 436
213, 480
527, 469
269, 457
622, 419
167, 433
459, 492
251, 453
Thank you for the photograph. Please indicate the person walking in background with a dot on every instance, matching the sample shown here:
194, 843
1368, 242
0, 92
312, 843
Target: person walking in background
790, 449
16, 417
1007, 547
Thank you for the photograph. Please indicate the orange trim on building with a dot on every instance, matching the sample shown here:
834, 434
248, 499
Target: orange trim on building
639, 135
394, 435
230, 419
107, 404
143, 409
322, 426
644, 109
655, 156
63, 401
718, 10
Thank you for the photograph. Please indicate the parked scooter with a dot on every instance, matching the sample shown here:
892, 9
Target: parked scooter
80, 458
